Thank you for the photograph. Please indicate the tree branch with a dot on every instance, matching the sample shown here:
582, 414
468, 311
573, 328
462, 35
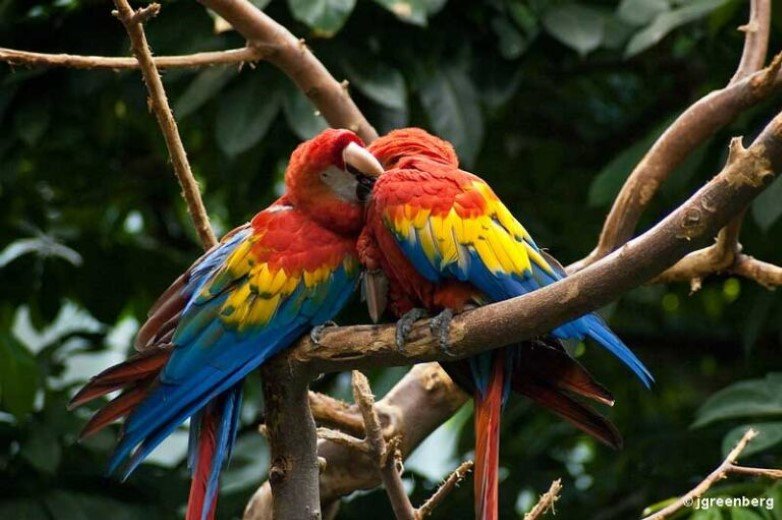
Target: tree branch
696, 124
727, 467
546, 501
294, 58
72, 61
423, 399
723, 256
450, 483
386, 455
295, 467
132, 20
527, 316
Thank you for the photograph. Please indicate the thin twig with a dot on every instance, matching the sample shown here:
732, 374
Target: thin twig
453, 480
132, 20
546, 501
385, 454
72, 61
336, 414
766, 274
344, 439
727, 467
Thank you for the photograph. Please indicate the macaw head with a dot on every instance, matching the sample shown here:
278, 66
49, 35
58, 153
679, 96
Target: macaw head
405, 143
330, 177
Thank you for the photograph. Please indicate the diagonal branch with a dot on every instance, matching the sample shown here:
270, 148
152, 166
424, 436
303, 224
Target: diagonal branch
691, 129
73, 61
727, 467
724, 255
386, 455
294, 58
546, 501
133, 20
524, 317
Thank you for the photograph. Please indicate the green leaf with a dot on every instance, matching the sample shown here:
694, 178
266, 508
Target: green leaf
44, 246
769, 434
641, 12
755, 397
301, 115
23, 510
738, 513
451, 103
245, 114
667, 21
580, 28
767, 207
511, 43
606, 184
415, 12
18, 377
377, 81
325, 17
31, 121
42, 449
203, 88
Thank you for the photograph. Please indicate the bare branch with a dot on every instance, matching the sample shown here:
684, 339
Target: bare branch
419, 403
696, 124
344, 439
132, 20
723, 470
724, 254
527, 316
756, 33
71, 61
453, 480
294, 58
546, 501
386, 455
334, 413
767, 275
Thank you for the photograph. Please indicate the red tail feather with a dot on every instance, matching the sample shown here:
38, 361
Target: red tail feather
206, 451
119, 407
138, 367
488, 408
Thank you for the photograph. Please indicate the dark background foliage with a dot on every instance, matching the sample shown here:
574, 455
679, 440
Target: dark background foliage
552, 101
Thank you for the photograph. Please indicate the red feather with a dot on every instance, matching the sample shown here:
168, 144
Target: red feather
206, 451
488, 409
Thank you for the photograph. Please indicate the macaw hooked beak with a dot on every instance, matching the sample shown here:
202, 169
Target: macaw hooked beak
364, 167
359, 161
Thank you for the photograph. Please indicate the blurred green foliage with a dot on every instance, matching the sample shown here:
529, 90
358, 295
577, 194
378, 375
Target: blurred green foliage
552, 101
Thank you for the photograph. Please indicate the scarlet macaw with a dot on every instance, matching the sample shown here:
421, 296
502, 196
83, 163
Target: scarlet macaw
443, 241
293, 267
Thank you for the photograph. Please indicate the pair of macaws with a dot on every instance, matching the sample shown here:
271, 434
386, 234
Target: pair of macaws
429, 235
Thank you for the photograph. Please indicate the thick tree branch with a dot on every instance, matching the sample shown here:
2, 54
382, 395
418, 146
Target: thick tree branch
292, 56
692, 128
524, 317
422, 400
72, 61
295, 467
727, 467
132, 20
723, 256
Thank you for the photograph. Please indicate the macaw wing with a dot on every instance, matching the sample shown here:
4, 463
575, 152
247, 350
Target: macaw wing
467, 233
266, 291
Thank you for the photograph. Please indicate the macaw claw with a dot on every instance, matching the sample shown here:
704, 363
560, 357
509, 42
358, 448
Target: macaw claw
440, 326
405, 325
317, 331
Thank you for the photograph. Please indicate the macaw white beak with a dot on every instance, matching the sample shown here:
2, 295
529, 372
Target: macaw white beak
361, 160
